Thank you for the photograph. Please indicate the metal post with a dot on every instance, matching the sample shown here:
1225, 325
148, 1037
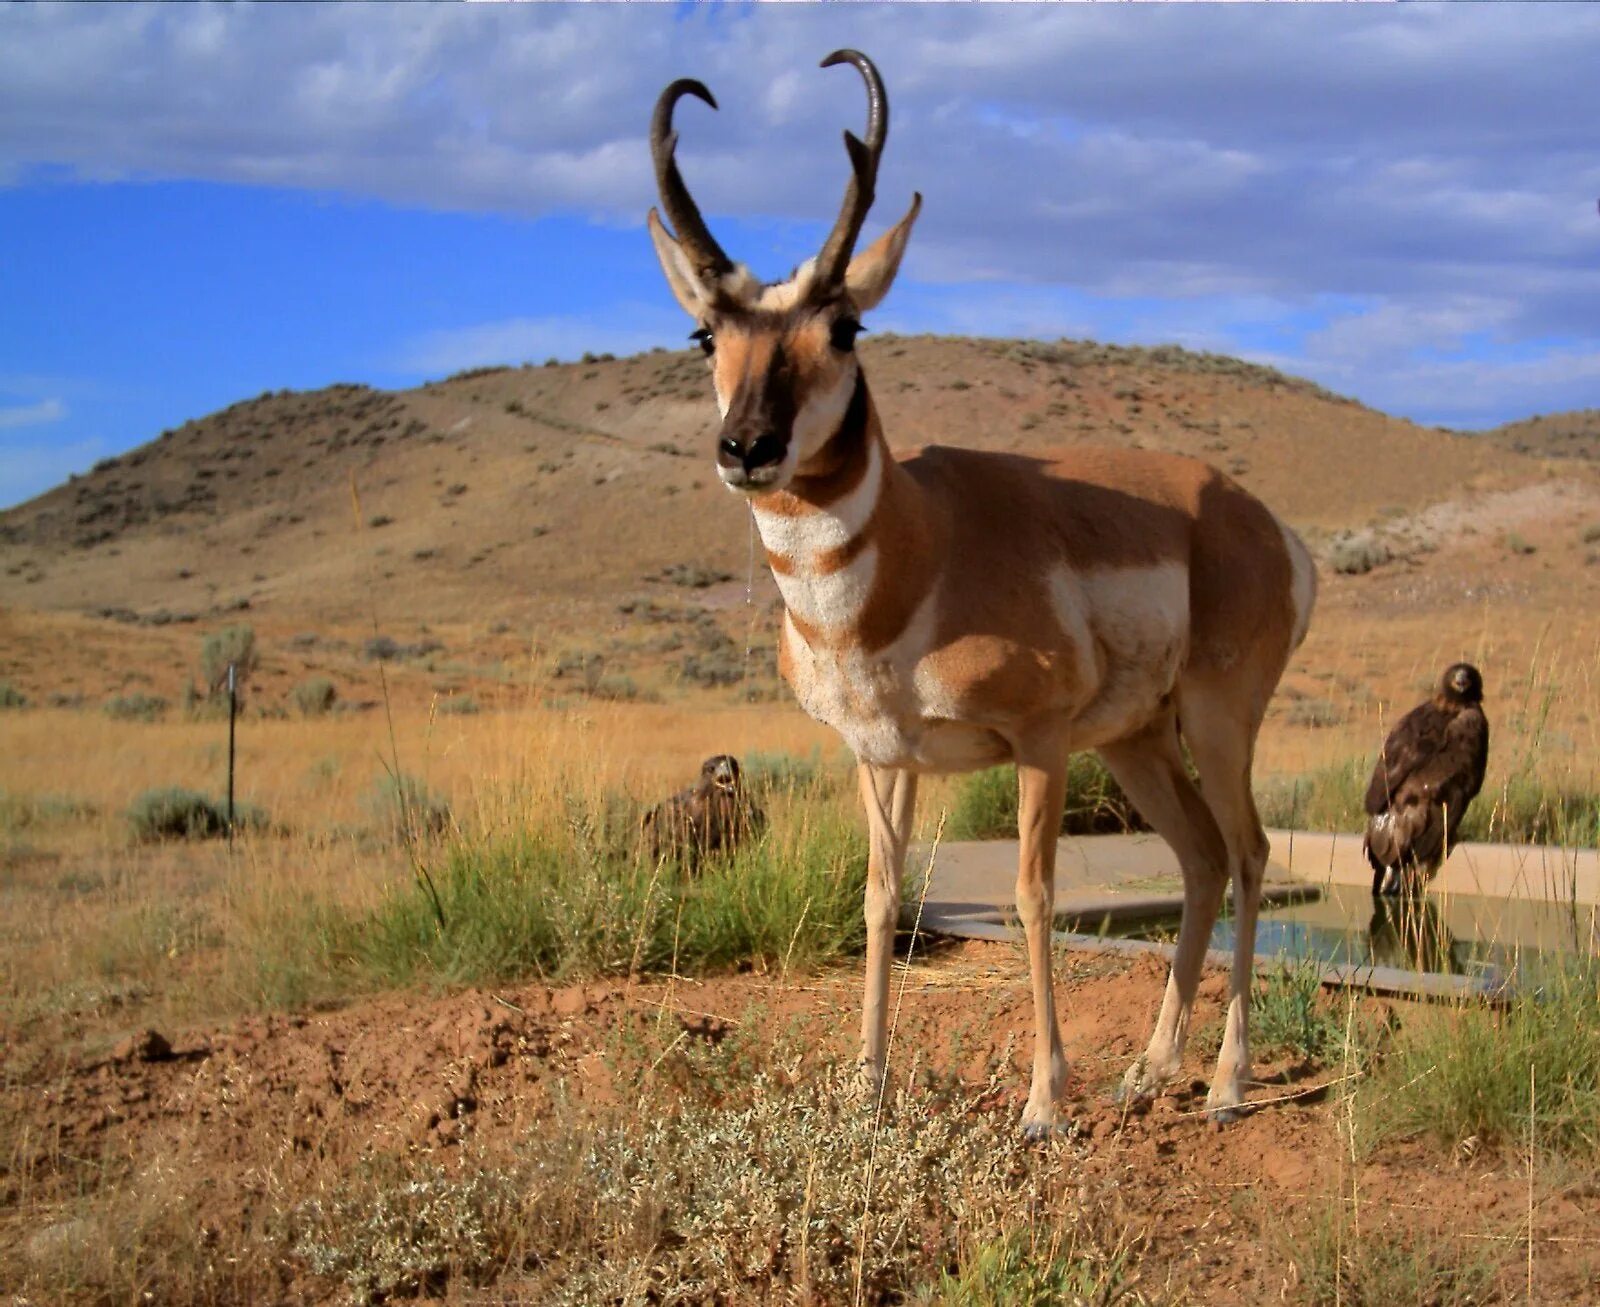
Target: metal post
233, 712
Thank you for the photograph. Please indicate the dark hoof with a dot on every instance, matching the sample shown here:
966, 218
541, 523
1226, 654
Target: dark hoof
1130, 1099
1044, 1134
1227, 1115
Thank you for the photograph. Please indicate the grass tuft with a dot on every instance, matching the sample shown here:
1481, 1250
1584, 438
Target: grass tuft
985, 805
571, 895
1463, 1072
1338, 1260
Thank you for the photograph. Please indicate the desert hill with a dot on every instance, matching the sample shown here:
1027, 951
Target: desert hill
1553, 435
575, 506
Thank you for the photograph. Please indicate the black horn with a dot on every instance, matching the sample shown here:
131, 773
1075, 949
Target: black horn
860, 191
704, 253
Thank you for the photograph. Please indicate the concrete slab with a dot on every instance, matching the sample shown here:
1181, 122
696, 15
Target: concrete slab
1527, 871
1107, 879
1109, 868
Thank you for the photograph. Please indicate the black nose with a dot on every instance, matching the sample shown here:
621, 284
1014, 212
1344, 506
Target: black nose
764, 451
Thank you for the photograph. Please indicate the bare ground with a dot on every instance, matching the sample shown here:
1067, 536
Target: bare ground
1218, 1215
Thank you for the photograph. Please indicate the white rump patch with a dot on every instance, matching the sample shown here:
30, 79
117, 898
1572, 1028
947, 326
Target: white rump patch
1303, 583
1129, 627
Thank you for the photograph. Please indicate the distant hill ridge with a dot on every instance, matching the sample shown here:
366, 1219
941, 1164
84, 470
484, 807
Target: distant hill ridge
554, 492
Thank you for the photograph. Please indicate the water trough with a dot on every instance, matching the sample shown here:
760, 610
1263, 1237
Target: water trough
1494, 914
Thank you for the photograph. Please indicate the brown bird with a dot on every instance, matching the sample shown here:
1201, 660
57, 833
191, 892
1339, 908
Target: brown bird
1431, 768
714, 815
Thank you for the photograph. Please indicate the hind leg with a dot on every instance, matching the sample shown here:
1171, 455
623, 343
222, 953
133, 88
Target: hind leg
1150, 769
1221, 734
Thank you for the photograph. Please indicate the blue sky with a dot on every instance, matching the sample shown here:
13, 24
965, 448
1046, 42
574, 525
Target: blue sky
198, 204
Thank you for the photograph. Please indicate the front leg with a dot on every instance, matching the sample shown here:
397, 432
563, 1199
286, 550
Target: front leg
1043, 784
890, 798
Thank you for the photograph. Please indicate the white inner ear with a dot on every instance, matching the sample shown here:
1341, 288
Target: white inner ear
686, 274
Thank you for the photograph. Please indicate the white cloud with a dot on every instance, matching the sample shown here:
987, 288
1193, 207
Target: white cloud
624, 330
31, 415
1434, 165
29, 469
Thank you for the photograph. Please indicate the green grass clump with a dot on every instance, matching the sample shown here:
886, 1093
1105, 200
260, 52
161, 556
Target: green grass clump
573, 895
985, 806
1327, 799
1288, 1013
11, 697
1526, 809
174, 813
1465, 1072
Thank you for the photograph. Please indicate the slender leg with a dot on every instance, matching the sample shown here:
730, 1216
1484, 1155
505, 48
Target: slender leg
1150, 769
1043, 785
890, 798
1222, 742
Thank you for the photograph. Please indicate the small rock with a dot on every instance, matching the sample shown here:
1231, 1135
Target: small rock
570, 1002
147, 1046
61, 1240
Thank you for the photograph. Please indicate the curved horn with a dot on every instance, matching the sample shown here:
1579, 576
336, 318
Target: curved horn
858, 195
697, 241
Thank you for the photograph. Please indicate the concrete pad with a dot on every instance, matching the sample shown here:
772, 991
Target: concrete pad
1108, 879
1517, 871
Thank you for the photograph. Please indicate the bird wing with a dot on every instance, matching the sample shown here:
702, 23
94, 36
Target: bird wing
1415, 738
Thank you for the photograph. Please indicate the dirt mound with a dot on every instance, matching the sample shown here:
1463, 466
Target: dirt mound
1216, 1212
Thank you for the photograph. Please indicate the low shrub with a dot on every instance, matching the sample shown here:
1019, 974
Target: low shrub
11, 697
402, 808
314, 698
1357, 553
783, 1208
232, 644
136, 707
174, 813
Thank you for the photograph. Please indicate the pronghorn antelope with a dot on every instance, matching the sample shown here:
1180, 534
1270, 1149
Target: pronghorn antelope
950, 609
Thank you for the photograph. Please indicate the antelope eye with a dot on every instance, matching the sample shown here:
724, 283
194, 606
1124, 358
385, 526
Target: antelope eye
843, 334
706, 341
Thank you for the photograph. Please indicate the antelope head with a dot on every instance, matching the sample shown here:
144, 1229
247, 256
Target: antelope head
782, 355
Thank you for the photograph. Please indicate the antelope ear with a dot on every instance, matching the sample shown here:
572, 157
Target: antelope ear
686, 288
872, 272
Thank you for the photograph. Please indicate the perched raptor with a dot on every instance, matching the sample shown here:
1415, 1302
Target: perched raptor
715, 814
1431, 767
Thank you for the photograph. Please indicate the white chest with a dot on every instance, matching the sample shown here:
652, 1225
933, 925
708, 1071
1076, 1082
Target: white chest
888, 706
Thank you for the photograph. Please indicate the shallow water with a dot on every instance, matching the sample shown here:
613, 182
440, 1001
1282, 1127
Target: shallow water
1459, 934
